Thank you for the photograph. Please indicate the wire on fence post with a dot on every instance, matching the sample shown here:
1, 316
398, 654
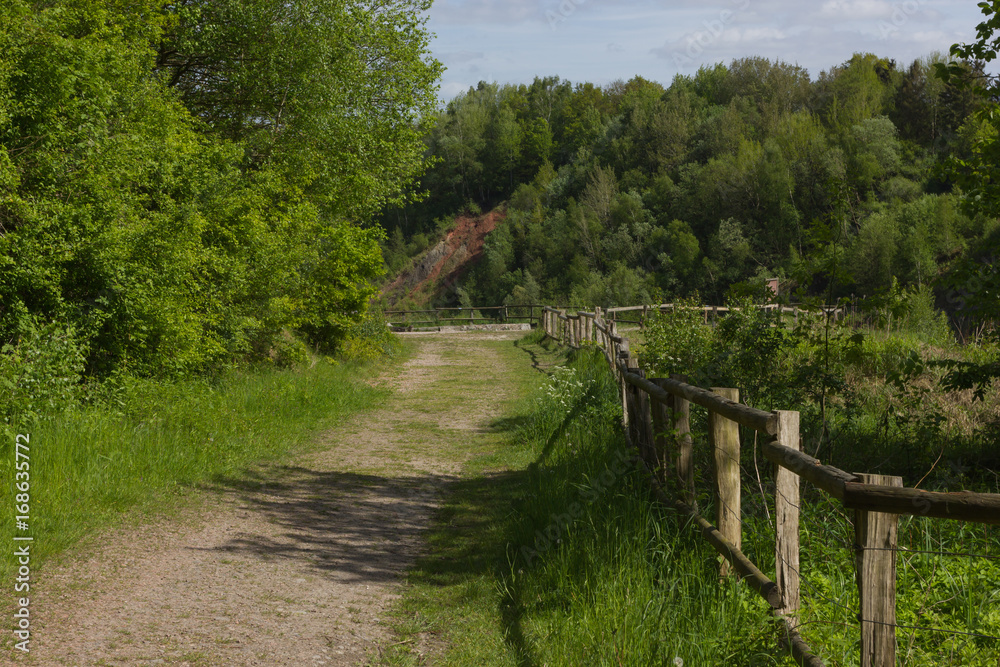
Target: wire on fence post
724, 437
875, 556
786, 518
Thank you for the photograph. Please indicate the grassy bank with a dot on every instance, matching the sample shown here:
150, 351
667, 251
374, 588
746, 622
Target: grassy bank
549, 551
94, 466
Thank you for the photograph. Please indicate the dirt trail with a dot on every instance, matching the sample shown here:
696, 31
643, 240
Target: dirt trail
294, 567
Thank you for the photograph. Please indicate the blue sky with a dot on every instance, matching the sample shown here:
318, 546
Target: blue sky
512, 41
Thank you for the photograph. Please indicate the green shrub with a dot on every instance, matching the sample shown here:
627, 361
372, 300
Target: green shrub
678, 341
369, 339
40, 375
288, 351
750, 350
923, 319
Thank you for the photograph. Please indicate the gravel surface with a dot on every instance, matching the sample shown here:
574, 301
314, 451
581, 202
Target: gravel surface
295, 566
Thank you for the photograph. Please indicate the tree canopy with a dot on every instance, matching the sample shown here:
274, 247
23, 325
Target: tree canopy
743, 171
181, 182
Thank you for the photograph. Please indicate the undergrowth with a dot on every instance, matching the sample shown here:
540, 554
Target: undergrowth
870, 401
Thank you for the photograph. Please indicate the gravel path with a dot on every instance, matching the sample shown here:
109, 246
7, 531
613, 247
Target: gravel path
293, 567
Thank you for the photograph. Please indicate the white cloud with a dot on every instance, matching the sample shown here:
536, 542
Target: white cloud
760, 35
856, 9
604, 40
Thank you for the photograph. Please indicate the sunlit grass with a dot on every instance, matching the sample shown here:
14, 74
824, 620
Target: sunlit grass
94, 465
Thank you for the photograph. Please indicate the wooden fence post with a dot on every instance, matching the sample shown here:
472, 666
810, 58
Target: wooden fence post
644, 421
786, 518
680, 417
623, 357
724, 436
875, 557
660, 413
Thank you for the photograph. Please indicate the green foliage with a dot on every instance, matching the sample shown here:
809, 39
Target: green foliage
39, 375
751, 346
745, 169
183, 210
594, 572
370, 339
678, 341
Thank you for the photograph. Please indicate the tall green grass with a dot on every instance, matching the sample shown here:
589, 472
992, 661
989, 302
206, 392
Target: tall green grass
92, 465
556, 554
597, 572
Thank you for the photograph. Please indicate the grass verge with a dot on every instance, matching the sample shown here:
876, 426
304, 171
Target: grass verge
548, 551
93, 467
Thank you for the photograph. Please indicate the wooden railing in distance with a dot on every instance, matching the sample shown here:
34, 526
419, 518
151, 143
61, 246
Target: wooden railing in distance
712, 314
655, 416
437, 317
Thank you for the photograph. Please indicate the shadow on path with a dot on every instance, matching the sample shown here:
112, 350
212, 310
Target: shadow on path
359, 528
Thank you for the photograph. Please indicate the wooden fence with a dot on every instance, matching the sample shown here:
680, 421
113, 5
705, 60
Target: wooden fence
532, 314
640, 314
656, 417
438, 317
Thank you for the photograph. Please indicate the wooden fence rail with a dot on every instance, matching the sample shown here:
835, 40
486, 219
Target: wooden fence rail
655, 416
436, 317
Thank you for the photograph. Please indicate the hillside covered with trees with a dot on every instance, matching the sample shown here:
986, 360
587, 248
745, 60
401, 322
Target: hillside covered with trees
844, 183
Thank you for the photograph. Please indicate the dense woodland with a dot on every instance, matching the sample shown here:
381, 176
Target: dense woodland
842, 183
182, 183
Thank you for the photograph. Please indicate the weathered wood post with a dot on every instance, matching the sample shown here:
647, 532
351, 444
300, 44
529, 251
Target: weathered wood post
623, 358
662, 433
680, 417
644, 420
875, 557
614, 348
786, 518
724, 436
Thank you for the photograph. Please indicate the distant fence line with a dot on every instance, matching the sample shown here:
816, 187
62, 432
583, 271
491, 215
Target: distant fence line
432, 318
656, 417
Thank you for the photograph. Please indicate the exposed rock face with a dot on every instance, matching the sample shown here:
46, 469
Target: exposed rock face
444, 263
